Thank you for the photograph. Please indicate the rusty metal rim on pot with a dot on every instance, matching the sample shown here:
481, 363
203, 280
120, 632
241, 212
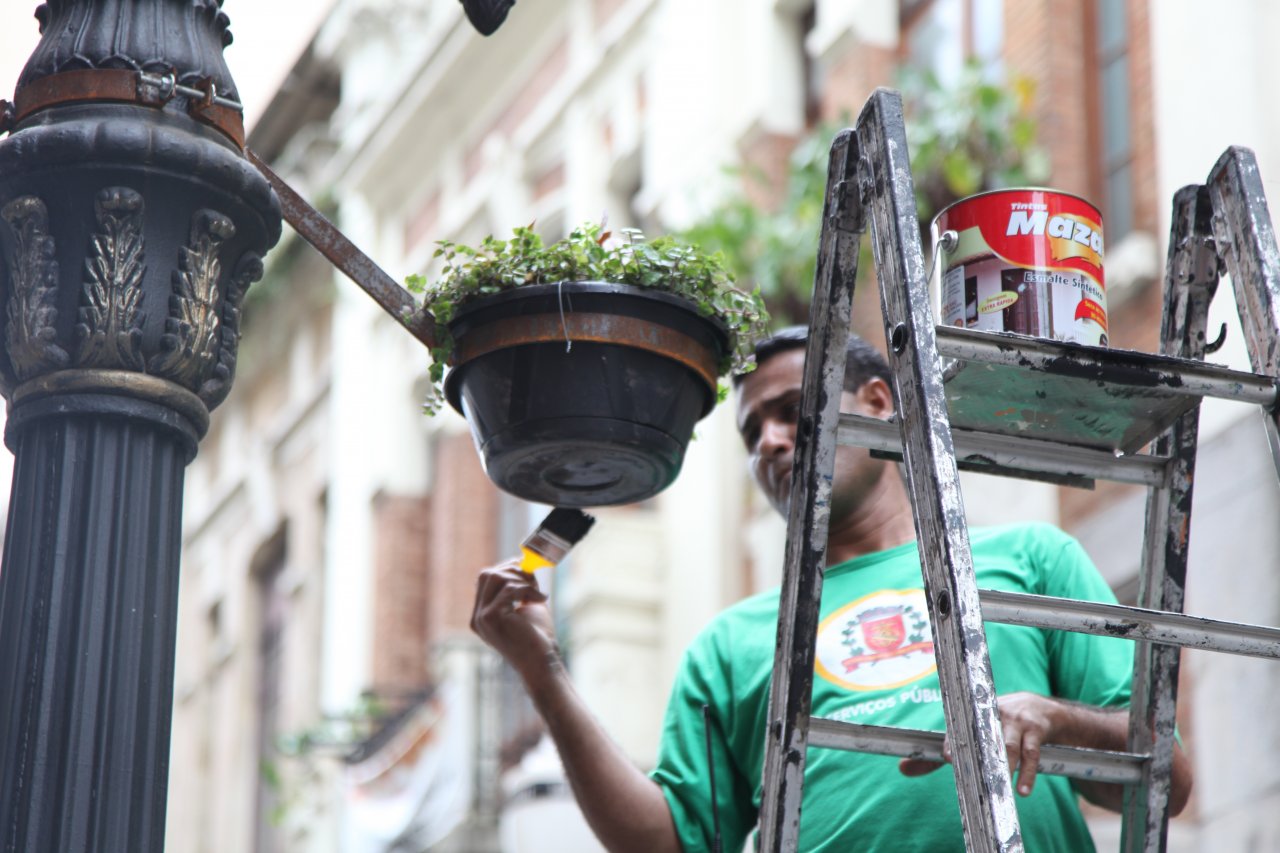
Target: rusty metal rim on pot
578, 326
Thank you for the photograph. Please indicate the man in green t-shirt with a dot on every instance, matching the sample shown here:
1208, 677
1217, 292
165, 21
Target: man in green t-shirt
875, 664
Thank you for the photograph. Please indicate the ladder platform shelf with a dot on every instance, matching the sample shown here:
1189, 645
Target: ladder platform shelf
1108, 399
1062, 412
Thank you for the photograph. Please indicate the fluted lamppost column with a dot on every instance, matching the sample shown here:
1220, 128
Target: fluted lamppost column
130, 227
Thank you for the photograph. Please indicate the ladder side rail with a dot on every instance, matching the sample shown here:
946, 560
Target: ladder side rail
808, 514
987, 807
1191, 278
1246, 242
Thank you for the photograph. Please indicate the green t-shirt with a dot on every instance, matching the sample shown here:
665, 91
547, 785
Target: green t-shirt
875, 665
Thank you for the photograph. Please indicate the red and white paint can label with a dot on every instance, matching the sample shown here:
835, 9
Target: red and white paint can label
1027, 261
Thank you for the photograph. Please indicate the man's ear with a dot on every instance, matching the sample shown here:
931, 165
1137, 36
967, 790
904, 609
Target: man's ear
875, 397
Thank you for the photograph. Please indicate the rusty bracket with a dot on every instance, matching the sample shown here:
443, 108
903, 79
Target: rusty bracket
159, 89
313, 227
124, 85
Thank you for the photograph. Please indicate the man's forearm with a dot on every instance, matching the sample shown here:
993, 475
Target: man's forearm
1108, 728
624, 807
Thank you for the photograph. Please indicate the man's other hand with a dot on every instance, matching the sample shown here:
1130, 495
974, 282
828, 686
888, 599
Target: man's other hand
1028, 721
511, 615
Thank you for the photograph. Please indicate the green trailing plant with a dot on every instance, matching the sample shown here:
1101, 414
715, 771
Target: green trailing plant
333, 737
774, 247
336, 733
965, 137
968, 137
589, 253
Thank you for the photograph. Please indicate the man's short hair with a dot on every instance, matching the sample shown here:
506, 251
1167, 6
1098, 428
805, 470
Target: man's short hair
862, 361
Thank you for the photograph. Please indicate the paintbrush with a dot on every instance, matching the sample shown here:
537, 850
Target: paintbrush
558, 532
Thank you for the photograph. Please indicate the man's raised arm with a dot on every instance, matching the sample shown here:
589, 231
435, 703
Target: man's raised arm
625, 808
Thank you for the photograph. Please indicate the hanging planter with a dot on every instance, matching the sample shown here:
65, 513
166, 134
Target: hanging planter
582, 368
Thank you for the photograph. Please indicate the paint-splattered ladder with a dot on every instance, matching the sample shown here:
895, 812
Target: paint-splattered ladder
1222, 226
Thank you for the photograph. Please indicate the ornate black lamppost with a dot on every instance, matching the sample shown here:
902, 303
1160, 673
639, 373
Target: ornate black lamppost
130, 226
132, 220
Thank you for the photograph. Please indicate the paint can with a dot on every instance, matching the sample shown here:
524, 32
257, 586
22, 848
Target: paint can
1027, 261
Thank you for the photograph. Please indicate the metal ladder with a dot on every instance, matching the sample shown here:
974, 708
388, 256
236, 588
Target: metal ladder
1221, 226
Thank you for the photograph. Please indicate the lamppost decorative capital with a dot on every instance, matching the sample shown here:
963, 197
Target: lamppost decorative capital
131, 223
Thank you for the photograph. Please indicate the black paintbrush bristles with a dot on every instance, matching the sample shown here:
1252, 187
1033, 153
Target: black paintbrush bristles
568, 524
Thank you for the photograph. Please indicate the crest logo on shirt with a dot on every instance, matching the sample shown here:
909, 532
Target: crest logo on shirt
880, 641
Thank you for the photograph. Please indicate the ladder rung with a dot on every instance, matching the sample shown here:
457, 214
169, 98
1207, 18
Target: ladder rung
1022, 454
1096, 765
1137, 623
1171, 375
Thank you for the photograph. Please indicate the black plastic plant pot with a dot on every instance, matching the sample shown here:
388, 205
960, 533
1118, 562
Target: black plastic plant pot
583, 394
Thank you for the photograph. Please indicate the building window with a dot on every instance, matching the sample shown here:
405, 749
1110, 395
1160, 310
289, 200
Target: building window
986, 35
273, 610
940, 35
805, 23
1113, 101
934, 37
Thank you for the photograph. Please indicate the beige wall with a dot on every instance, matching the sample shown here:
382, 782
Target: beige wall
254, 503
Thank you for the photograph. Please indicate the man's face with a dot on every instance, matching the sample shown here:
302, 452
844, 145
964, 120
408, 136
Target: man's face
768, 408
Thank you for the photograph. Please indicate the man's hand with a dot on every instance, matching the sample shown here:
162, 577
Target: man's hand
1030, 720
511, 615
626, 809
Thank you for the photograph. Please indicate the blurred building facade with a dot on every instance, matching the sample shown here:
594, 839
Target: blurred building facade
329, 694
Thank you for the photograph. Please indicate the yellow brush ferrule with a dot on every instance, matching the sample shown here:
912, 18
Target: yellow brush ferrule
531, 561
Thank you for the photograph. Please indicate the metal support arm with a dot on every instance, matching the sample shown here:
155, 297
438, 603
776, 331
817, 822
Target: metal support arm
313, 227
